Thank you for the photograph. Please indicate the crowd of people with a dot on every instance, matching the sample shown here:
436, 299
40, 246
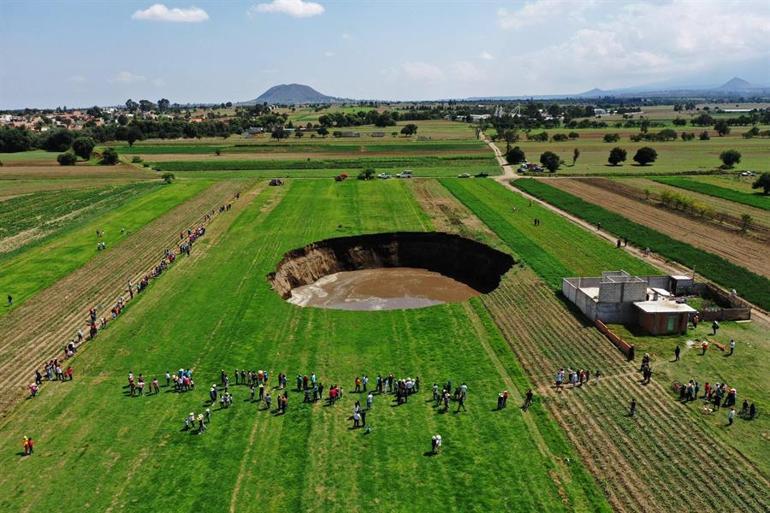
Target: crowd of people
574, 378
53, 370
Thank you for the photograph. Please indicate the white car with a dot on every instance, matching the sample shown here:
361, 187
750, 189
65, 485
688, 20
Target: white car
404, 174
383, 176
463, 175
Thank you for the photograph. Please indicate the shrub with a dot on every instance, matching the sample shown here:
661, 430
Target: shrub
704, 136
366, 174
109, 157
611, 138
559, 138
573, 135
67, 159
136, 160
168, 177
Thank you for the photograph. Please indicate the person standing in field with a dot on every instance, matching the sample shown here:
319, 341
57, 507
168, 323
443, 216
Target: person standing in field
527, 400
730, 416
10, 300
732, 346
632, 408
435, 444
677, 350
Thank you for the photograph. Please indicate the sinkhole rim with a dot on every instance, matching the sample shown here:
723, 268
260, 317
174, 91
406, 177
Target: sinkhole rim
465, 260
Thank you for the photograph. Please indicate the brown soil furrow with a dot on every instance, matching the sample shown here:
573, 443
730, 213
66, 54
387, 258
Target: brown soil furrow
38, 330
745, 251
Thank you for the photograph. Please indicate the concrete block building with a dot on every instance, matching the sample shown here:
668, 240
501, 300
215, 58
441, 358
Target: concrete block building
619, 298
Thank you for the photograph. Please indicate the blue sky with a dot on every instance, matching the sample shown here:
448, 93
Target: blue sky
77, 53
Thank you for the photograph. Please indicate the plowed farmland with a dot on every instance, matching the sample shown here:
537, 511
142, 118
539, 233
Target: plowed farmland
744, 251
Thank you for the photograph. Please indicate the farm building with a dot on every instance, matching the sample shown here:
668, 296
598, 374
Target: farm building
619, 298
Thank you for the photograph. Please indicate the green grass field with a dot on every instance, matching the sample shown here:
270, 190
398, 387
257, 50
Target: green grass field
47, 212
40, 265
556, 248
673, 157
308, 459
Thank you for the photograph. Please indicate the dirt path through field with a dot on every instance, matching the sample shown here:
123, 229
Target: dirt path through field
651, 463
747, 252
39, 329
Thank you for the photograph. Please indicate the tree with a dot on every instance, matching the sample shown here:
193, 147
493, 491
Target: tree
66, 159
763, 182
730, 157
83, 147
323, 131
617, 155
58, 140
122, 120
509, 135
279, 133
168, 177
575, 155
131, 105
645, 155
109, 157
722, 127
550, 160
146, 105
133, 134
680, 122
409, 129
163, 104
515, 155
704, 136
611, 138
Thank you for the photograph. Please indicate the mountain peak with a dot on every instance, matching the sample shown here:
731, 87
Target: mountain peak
292, 94
735, 84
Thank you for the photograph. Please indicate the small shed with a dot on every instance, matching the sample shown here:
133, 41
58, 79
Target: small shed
664, 317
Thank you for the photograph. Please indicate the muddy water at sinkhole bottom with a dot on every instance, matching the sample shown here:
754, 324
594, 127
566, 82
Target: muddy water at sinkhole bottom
382, 289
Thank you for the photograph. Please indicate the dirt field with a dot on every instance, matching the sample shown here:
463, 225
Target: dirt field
749, 253
642, 464
39, 329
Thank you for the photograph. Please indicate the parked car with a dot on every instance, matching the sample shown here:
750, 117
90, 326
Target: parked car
406, 173
383, 176
463, 175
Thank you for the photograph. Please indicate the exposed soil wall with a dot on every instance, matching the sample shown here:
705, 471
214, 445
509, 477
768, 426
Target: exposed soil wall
465, 260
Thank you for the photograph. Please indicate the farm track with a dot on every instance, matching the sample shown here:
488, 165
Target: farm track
749, 253
733, 221
38, 330
647, 464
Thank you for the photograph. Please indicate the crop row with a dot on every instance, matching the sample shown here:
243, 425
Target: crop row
356, 163
156, 149
555, 248
751, 286
752, 200
54, 209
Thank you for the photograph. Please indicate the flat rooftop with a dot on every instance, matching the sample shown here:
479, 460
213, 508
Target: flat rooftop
664, 307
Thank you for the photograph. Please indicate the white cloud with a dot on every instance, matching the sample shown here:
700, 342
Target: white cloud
159, 12
126, 77
346, 36
466, 71
294, 8
158, 82
540, 11
629, 44
422, 71
486, 56
328, 54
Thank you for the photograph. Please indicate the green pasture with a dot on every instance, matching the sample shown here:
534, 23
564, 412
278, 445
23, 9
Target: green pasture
130, 453
556, 248
25, 272
756, 200
674, 157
